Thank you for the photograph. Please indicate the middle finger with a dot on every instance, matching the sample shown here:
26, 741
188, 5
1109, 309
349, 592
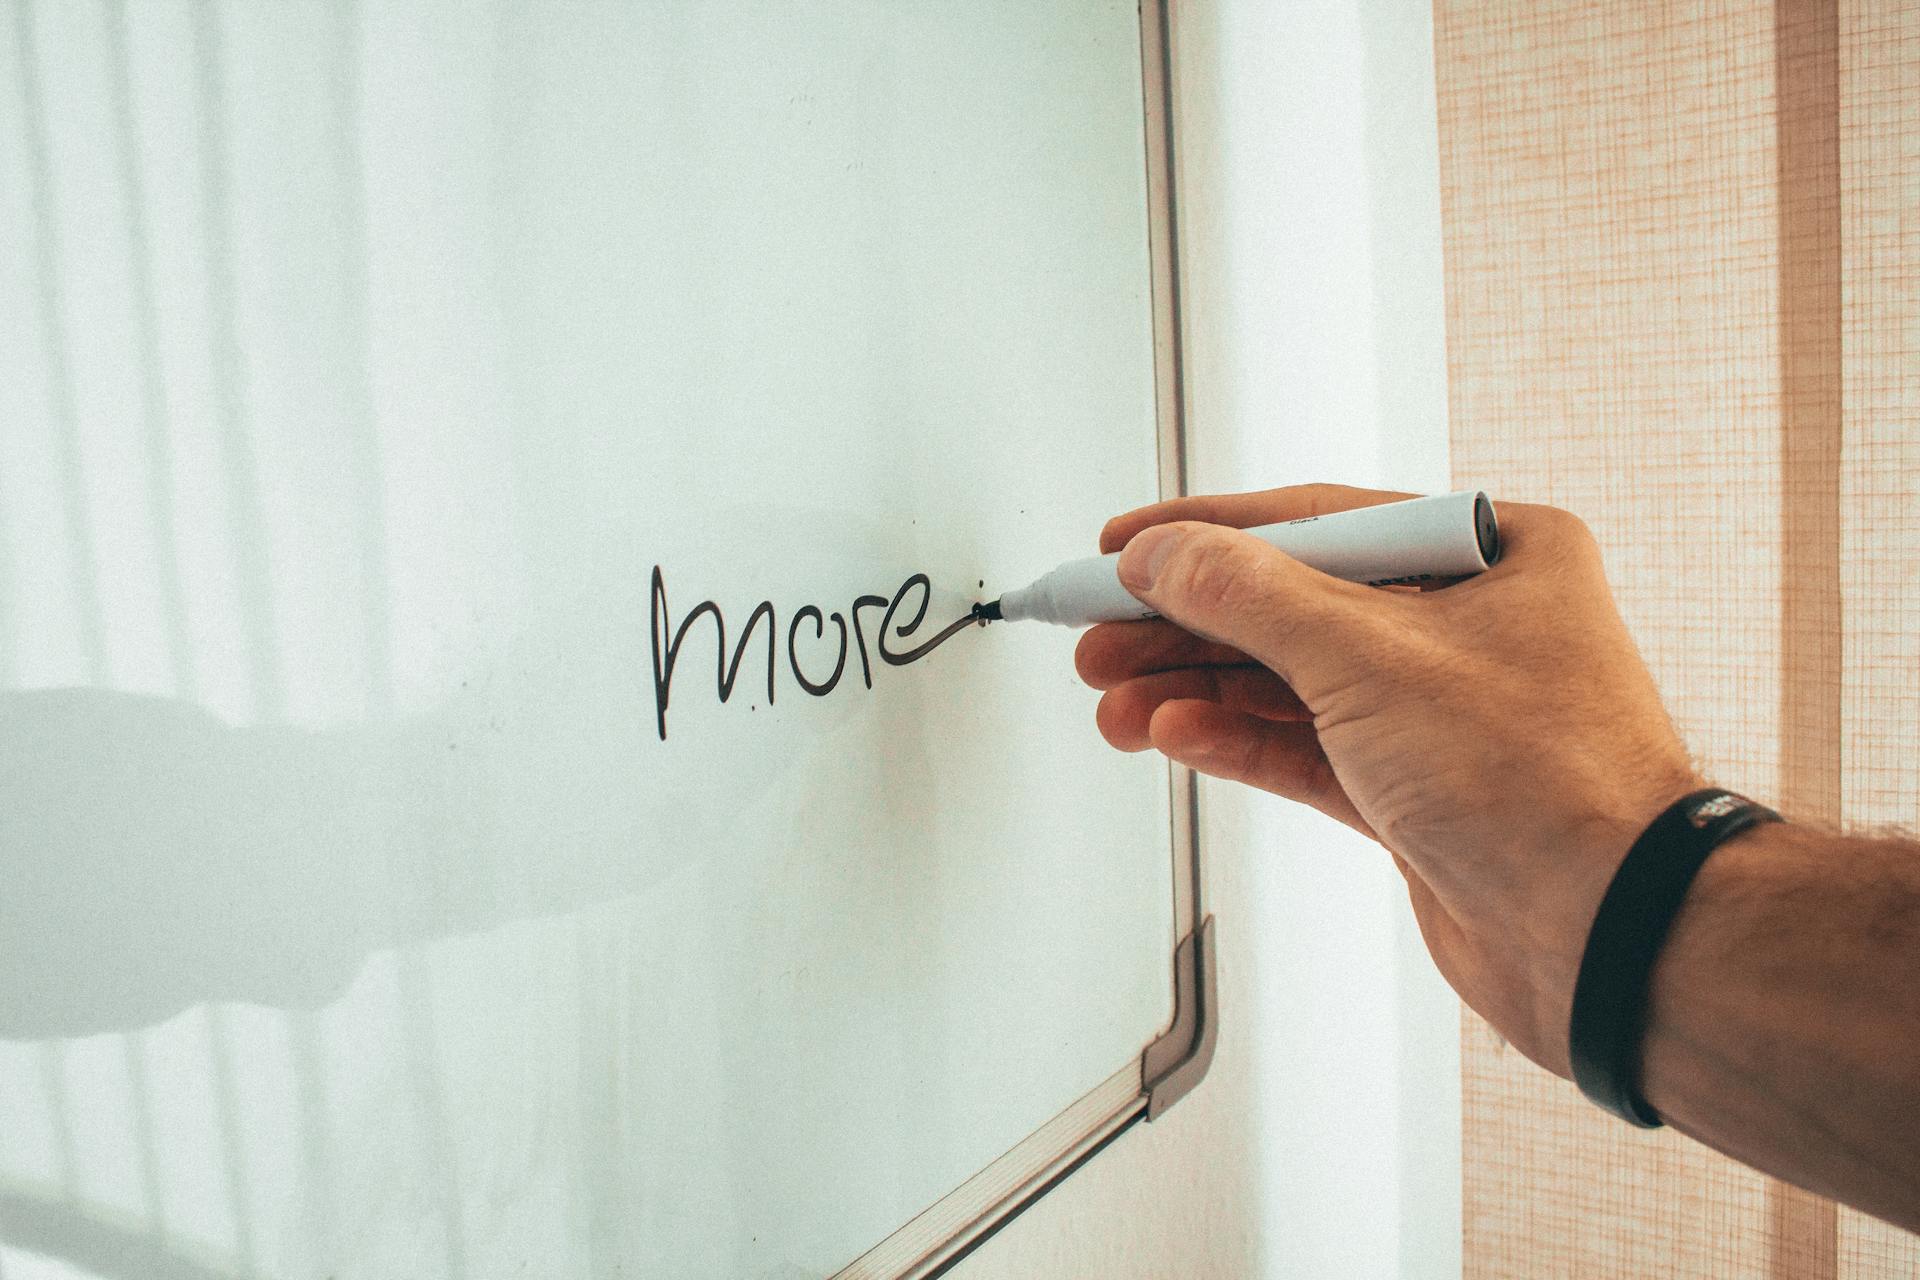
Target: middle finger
1115, 651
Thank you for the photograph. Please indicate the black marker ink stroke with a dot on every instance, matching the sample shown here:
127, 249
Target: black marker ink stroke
668, 639
947, 633
819, 632
908, 628
666, 653
865, 602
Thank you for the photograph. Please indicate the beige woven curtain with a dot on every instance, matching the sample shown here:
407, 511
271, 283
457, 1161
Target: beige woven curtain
1683, 299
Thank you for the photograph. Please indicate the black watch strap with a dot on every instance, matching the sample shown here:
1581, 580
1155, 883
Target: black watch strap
1610, 994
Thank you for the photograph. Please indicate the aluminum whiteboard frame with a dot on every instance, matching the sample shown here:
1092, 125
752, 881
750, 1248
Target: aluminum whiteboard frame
1175, 1060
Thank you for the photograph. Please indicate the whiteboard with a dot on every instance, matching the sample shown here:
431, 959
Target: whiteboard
390, 889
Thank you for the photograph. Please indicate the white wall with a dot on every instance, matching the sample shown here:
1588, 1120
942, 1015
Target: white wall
1325, 1140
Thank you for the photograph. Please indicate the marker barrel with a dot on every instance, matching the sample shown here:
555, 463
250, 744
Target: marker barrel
1452, 535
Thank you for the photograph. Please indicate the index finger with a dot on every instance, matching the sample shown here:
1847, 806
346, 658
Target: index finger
1246, 510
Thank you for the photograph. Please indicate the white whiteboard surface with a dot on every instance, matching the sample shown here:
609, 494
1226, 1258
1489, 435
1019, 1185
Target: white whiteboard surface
363, 363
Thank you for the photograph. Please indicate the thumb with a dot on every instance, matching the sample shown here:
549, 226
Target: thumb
1229, 586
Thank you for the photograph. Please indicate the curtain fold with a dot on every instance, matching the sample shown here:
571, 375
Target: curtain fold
1683, 258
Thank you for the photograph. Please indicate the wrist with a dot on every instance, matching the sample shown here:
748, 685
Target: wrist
1710, 939
1629, 937
1590, 854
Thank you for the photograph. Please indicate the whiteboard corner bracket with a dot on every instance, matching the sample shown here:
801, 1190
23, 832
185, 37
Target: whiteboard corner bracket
1173, 1064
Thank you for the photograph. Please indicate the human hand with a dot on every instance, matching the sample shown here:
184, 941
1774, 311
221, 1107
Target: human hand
1501, 737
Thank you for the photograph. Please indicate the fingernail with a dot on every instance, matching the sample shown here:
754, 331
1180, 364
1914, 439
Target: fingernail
1140, 563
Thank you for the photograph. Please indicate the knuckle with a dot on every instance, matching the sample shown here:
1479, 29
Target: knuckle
1249, 762
1211, 571
1562, 525
1317, 499
1555, 541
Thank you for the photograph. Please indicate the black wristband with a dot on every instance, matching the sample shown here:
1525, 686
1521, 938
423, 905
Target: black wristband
1610, 995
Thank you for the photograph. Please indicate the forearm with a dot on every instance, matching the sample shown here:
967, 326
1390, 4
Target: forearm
1784, 1016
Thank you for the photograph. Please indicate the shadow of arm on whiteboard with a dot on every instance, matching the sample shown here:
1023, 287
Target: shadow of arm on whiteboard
153, 857
152, 860
102, 1245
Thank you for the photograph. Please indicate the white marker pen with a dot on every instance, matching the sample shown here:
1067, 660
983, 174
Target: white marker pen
1451, 535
